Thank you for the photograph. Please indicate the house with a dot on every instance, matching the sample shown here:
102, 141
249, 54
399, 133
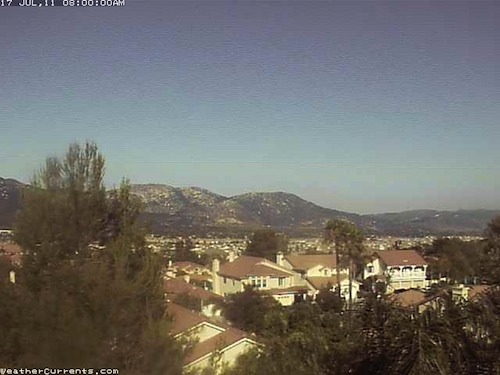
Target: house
315, 284
212, 341
199, 275
231, 277
468, 293
319, 271
403, 269
12, 253
180, 286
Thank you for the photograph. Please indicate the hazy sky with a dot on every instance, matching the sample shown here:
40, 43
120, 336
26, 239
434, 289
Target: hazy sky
360, 106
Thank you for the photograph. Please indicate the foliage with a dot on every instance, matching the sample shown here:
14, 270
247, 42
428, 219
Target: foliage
347, 240
458, 260
266, 243
188, 301
379, 338
491, 258
328, 300
247, 309
184, 252
89, 292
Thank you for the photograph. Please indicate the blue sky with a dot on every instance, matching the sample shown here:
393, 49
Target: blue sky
361, 106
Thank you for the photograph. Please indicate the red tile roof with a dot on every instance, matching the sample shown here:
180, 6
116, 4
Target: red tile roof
305, 262
179, 286
218, 342
320, 282
247, 266
401, 258
476, 291
184, 320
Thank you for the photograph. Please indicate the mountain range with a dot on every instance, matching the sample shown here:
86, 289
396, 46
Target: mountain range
194, 210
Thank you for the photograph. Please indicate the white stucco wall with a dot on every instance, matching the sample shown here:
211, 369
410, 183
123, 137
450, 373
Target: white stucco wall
229, 286
227, 355
376, 268
205, 331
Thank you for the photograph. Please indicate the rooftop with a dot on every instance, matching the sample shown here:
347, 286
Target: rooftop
401, 258
247, 266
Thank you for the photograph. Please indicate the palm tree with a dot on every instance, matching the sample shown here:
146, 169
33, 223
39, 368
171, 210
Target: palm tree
348, 243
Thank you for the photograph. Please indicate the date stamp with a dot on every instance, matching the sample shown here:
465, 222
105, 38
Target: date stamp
62, 3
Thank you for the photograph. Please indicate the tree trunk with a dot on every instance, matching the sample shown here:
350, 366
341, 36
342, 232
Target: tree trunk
337, 258
350, 285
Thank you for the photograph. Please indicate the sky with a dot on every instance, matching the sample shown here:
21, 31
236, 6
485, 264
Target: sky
363, 106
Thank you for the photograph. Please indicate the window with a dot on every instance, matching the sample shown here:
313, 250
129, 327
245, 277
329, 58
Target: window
281, 281
369, 269
225, 280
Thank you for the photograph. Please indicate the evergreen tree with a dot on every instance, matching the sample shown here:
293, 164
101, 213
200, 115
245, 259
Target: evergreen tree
266, 243
89, 291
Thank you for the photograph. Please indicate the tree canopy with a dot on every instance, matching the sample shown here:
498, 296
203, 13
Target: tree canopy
89, 292
266, 243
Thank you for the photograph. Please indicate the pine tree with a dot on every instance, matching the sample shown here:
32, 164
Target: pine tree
91, 291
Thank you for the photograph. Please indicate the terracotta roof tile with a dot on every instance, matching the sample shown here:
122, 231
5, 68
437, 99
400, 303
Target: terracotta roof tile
179, 286
401, 258
183, 319
320, 282
246, 266
218, 342
476, 291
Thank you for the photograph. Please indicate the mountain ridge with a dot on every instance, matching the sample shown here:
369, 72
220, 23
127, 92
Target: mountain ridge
194, 209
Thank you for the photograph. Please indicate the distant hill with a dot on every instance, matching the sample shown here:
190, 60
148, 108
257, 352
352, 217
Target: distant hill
168, 209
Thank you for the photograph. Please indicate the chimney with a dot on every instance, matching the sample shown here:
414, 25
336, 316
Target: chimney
216, 277
279, 259
170, 271
231, 256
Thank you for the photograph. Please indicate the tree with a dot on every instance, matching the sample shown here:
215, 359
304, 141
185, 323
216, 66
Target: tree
457, 259
491, 258
90, 292
328, 300
347, 240
266, 243
247, 309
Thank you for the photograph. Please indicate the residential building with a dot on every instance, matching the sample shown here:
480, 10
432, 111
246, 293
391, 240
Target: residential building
281, 283
319, 271
468, 292
213, 341
403, 269
179, 286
